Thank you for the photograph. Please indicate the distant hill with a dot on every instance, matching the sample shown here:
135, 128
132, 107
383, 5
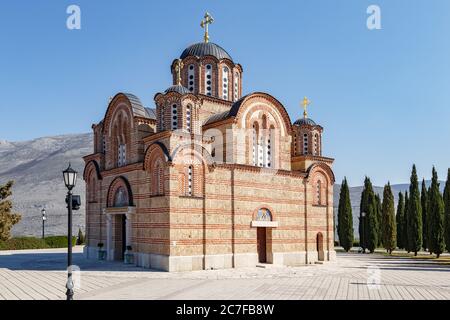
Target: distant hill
36, 166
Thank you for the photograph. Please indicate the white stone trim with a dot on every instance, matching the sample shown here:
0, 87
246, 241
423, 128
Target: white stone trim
267, 224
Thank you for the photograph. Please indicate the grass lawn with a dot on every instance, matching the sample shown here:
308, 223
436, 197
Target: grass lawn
443, 259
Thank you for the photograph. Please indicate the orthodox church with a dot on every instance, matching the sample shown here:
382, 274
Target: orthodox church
208, 178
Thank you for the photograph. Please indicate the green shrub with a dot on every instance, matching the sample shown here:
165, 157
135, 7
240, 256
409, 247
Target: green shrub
59, 241
23, 243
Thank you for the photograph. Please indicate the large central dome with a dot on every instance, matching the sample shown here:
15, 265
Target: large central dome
205, 49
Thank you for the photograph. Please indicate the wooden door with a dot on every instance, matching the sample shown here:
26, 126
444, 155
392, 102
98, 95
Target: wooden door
261, 244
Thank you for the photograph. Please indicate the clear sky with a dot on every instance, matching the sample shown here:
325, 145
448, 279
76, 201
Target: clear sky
382, 96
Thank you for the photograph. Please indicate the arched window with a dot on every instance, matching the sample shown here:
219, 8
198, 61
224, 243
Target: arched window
263, 215
189, 181
319, 192
225, 83
305, 143
316, 144
122, 154
208, 80
121, 198
255, 143
188, 118
295, 144
236, 86
174, 117
191, 77
158, 178
161, 119
269, 147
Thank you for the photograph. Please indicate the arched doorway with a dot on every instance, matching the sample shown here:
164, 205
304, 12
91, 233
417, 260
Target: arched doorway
118, 218
320, 252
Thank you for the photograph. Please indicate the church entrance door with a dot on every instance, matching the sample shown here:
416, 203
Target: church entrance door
321, 254
261, 244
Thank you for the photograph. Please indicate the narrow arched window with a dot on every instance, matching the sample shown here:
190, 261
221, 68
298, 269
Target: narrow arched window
255, 143
208, 80
174, 117
122, 155
316, 144
319, 192
305, 143
225, 84
188, 118
161, 118
191, 77
189, 182
236, 86
295, 144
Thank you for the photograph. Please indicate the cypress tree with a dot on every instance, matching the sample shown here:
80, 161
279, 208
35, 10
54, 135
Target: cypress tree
388, 228
436, 240
363, 208
399, 219
345, 218
405, 223
447, 211
414, 214
372, 223
424, 203
379, 214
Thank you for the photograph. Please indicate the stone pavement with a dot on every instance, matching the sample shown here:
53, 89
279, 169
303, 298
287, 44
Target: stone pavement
39, 274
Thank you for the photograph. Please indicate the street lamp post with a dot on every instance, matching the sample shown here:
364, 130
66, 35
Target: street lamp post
70, 179
44, 217
363, 222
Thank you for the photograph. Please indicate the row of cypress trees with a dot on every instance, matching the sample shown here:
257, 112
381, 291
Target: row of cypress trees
422, 220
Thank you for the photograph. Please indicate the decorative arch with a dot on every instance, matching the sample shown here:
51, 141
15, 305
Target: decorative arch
89, 168
156, 148
324, 169
119, 184
242, 108
192, 165
321, 177
91, 176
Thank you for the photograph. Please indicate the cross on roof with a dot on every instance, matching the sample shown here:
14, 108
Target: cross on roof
204, 24
305, 103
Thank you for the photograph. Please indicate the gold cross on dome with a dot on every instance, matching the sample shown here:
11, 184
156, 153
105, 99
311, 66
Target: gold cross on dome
204, 24
305, 103
178, 67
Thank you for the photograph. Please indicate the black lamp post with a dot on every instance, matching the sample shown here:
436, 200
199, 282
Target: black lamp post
44, 217
70, 179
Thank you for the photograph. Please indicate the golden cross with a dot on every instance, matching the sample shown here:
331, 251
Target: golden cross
305, 104
178, 67
204, 24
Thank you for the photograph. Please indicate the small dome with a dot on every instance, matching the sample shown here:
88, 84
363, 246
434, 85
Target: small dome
305, 121
205, 49
178, 88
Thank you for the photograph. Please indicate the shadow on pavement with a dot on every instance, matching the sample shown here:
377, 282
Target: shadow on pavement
57, 261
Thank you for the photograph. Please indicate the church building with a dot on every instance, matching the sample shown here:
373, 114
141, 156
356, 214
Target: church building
208, 178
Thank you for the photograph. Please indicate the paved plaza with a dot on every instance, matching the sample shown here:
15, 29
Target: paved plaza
39, 274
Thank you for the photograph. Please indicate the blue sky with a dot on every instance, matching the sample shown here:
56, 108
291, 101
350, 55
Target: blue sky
382, 96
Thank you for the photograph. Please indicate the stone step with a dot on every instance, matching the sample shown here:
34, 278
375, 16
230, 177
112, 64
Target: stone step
264, 265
